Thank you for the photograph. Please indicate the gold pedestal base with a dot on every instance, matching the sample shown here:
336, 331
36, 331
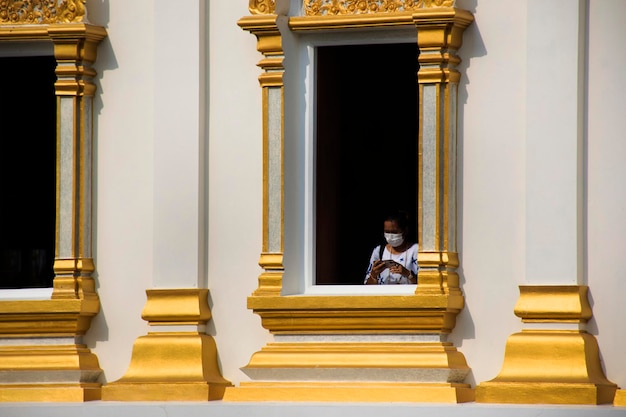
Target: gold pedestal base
549, 367
170, 366
62, 373
620, 398
366, 371
50, 393
350, 392
180, 391
544, 393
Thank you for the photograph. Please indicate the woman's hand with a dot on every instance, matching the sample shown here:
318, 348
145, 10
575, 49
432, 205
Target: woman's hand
399, 269
377, 268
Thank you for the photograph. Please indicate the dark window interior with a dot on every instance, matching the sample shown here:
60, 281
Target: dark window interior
366, 155
27, 171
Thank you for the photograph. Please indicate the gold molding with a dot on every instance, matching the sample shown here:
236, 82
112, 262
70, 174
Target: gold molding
173, 364
351, 7
354, 314
547, 365
61, 323
42, 12
357, 7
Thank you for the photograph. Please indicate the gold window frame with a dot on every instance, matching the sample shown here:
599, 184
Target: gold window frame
42, 357
303, 324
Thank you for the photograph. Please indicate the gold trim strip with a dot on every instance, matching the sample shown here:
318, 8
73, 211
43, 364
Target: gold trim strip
400, 20
367, 392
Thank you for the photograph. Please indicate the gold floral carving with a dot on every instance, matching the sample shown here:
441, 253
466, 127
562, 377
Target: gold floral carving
41, 11
349, 7
262, 6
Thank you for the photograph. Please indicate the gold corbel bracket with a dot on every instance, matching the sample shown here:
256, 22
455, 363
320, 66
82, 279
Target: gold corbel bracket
75, 48
269, 43
439, 36
441, 27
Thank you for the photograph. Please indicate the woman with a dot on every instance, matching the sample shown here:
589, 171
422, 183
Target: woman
395, 262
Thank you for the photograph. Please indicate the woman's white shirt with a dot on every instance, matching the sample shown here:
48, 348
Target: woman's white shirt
408, 259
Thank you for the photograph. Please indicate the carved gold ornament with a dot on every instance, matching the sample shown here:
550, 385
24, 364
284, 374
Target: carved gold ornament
350, 7
262, 6
41, 11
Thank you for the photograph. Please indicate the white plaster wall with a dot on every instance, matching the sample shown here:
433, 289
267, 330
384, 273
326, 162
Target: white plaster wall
491, 181
606, 176
123, 161
235, 186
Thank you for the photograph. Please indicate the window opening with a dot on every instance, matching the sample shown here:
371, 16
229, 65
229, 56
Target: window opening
27, 171
366, 151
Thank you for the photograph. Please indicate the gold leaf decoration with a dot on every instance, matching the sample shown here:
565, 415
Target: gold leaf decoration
15, 12
438, 3
347, 7
262, 6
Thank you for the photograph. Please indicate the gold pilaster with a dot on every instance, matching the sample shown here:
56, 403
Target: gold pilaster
175, 363
42, 357
269, 43
359, 348
75, 48
439, 36
544, 365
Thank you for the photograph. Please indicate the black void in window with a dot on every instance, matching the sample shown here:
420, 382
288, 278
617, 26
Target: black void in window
27, 171
366, 152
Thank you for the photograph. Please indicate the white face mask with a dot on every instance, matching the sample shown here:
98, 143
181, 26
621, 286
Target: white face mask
394, 239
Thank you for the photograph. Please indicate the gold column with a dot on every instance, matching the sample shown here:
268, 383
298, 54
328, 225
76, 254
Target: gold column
42, 357
177, 363
555, 363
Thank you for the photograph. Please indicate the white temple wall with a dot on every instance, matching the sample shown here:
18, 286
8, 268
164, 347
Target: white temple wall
606, 174
123, 164
492, 132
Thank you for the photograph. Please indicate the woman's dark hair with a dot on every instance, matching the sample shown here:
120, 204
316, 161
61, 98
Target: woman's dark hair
401, 217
